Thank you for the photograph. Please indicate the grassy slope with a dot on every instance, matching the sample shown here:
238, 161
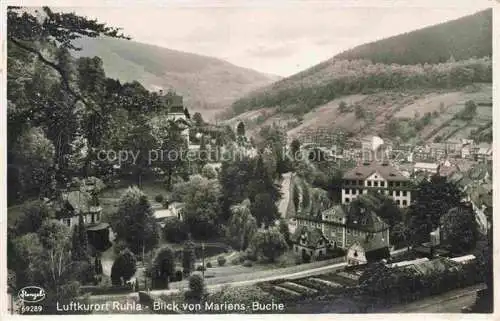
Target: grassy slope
207, 83
385, 106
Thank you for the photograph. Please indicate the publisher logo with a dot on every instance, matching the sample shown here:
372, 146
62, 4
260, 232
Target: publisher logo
31, 294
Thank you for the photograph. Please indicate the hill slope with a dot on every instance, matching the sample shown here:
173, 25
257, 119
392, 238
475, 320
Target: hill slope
462, 38
207, 83
378, 93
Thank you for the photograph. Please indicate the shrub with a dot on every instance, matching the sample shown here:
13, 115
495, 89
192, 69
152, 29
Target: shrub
196, 288
235, 261
124, 267
159, 198
175, 231
221, 260
247, 263
119, 246
201, 268
209, 265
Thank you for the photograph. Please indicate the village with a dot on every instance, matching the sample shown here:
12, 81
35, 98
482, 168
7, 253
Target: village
331, 197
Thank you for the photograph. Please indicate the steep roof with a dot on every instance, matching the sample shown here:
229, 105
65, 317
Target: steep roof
363, 171
366, 221
311, 235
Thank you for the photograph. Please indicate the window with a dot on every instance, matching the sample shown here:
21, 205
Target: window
67, 221
360, 191
296, 249
347, 199
404, 193
405, 203
398, 193
382, 184
369, 183
347, 191
375, 183
353, 191
398, 202
360, 182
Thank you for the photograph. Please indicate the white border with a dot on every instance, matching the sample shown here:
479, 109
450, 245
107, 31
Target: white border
247, 3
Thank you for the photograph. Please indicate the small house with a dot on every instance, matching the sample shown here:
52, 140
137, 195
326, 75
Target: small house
309, 241
359, 254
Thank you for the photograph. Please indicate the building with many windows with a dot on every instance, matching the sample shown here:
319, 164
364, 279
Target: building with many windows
382, 178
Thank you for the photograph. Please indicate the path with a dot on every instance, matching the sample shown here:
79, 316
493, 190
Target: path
285, 192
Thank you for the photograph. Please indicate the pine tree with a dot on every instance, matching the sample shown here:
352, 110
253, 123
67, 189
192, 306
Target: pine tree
80, 243
188, 257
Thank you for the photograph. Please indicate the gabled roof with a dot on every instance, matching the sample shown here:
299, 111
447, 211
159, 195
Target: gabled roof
311, 235
363, 171
366, 221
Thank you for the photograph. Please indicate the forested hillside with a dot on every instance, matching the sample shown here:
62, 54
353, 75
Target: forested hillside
461, 39
409, 63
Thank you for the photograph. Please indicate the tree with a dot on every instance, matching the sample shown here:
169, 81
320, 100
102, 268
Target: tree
241, 226
264, 209
240, 129
359, 112
32, 216
198, 119
389, 211
459, 229
433, 199
201, 212
134, 221
123, 268
295, 149
80, 242
285, 231
269, 244
400, 235
175, 231
343, 108
163, 267
33, 156
188, 257
209, 172
469, 110
262, 182
196, 290
234, 177
32, 31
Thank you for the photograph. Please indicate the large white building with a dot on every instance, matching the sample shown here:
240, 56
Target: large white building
383, 178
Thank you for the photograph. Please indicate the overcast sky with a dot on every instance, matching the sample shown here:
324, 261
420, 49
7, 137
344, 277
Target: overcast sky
281, 38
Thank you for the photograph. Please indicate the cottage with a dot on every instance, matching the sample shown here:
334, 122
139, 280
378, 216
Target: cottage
309, 241
359, 254
73, 204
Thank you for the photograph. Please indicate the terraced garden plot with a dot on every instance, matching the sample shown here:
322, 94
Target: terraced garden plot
286, 291
325, 283
352, 276
298, 288
334, 277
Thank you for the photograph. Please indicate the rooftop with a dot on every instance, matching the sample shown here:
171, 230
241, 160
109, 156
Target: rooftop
363, 171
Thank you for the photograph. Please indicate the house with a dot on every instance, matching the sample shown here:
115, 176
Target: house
309, 241
375, 149
72, 204
343, 227
176, 112
174, 210
446, 168
484, 152
383, 178
430, 168
358, 254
